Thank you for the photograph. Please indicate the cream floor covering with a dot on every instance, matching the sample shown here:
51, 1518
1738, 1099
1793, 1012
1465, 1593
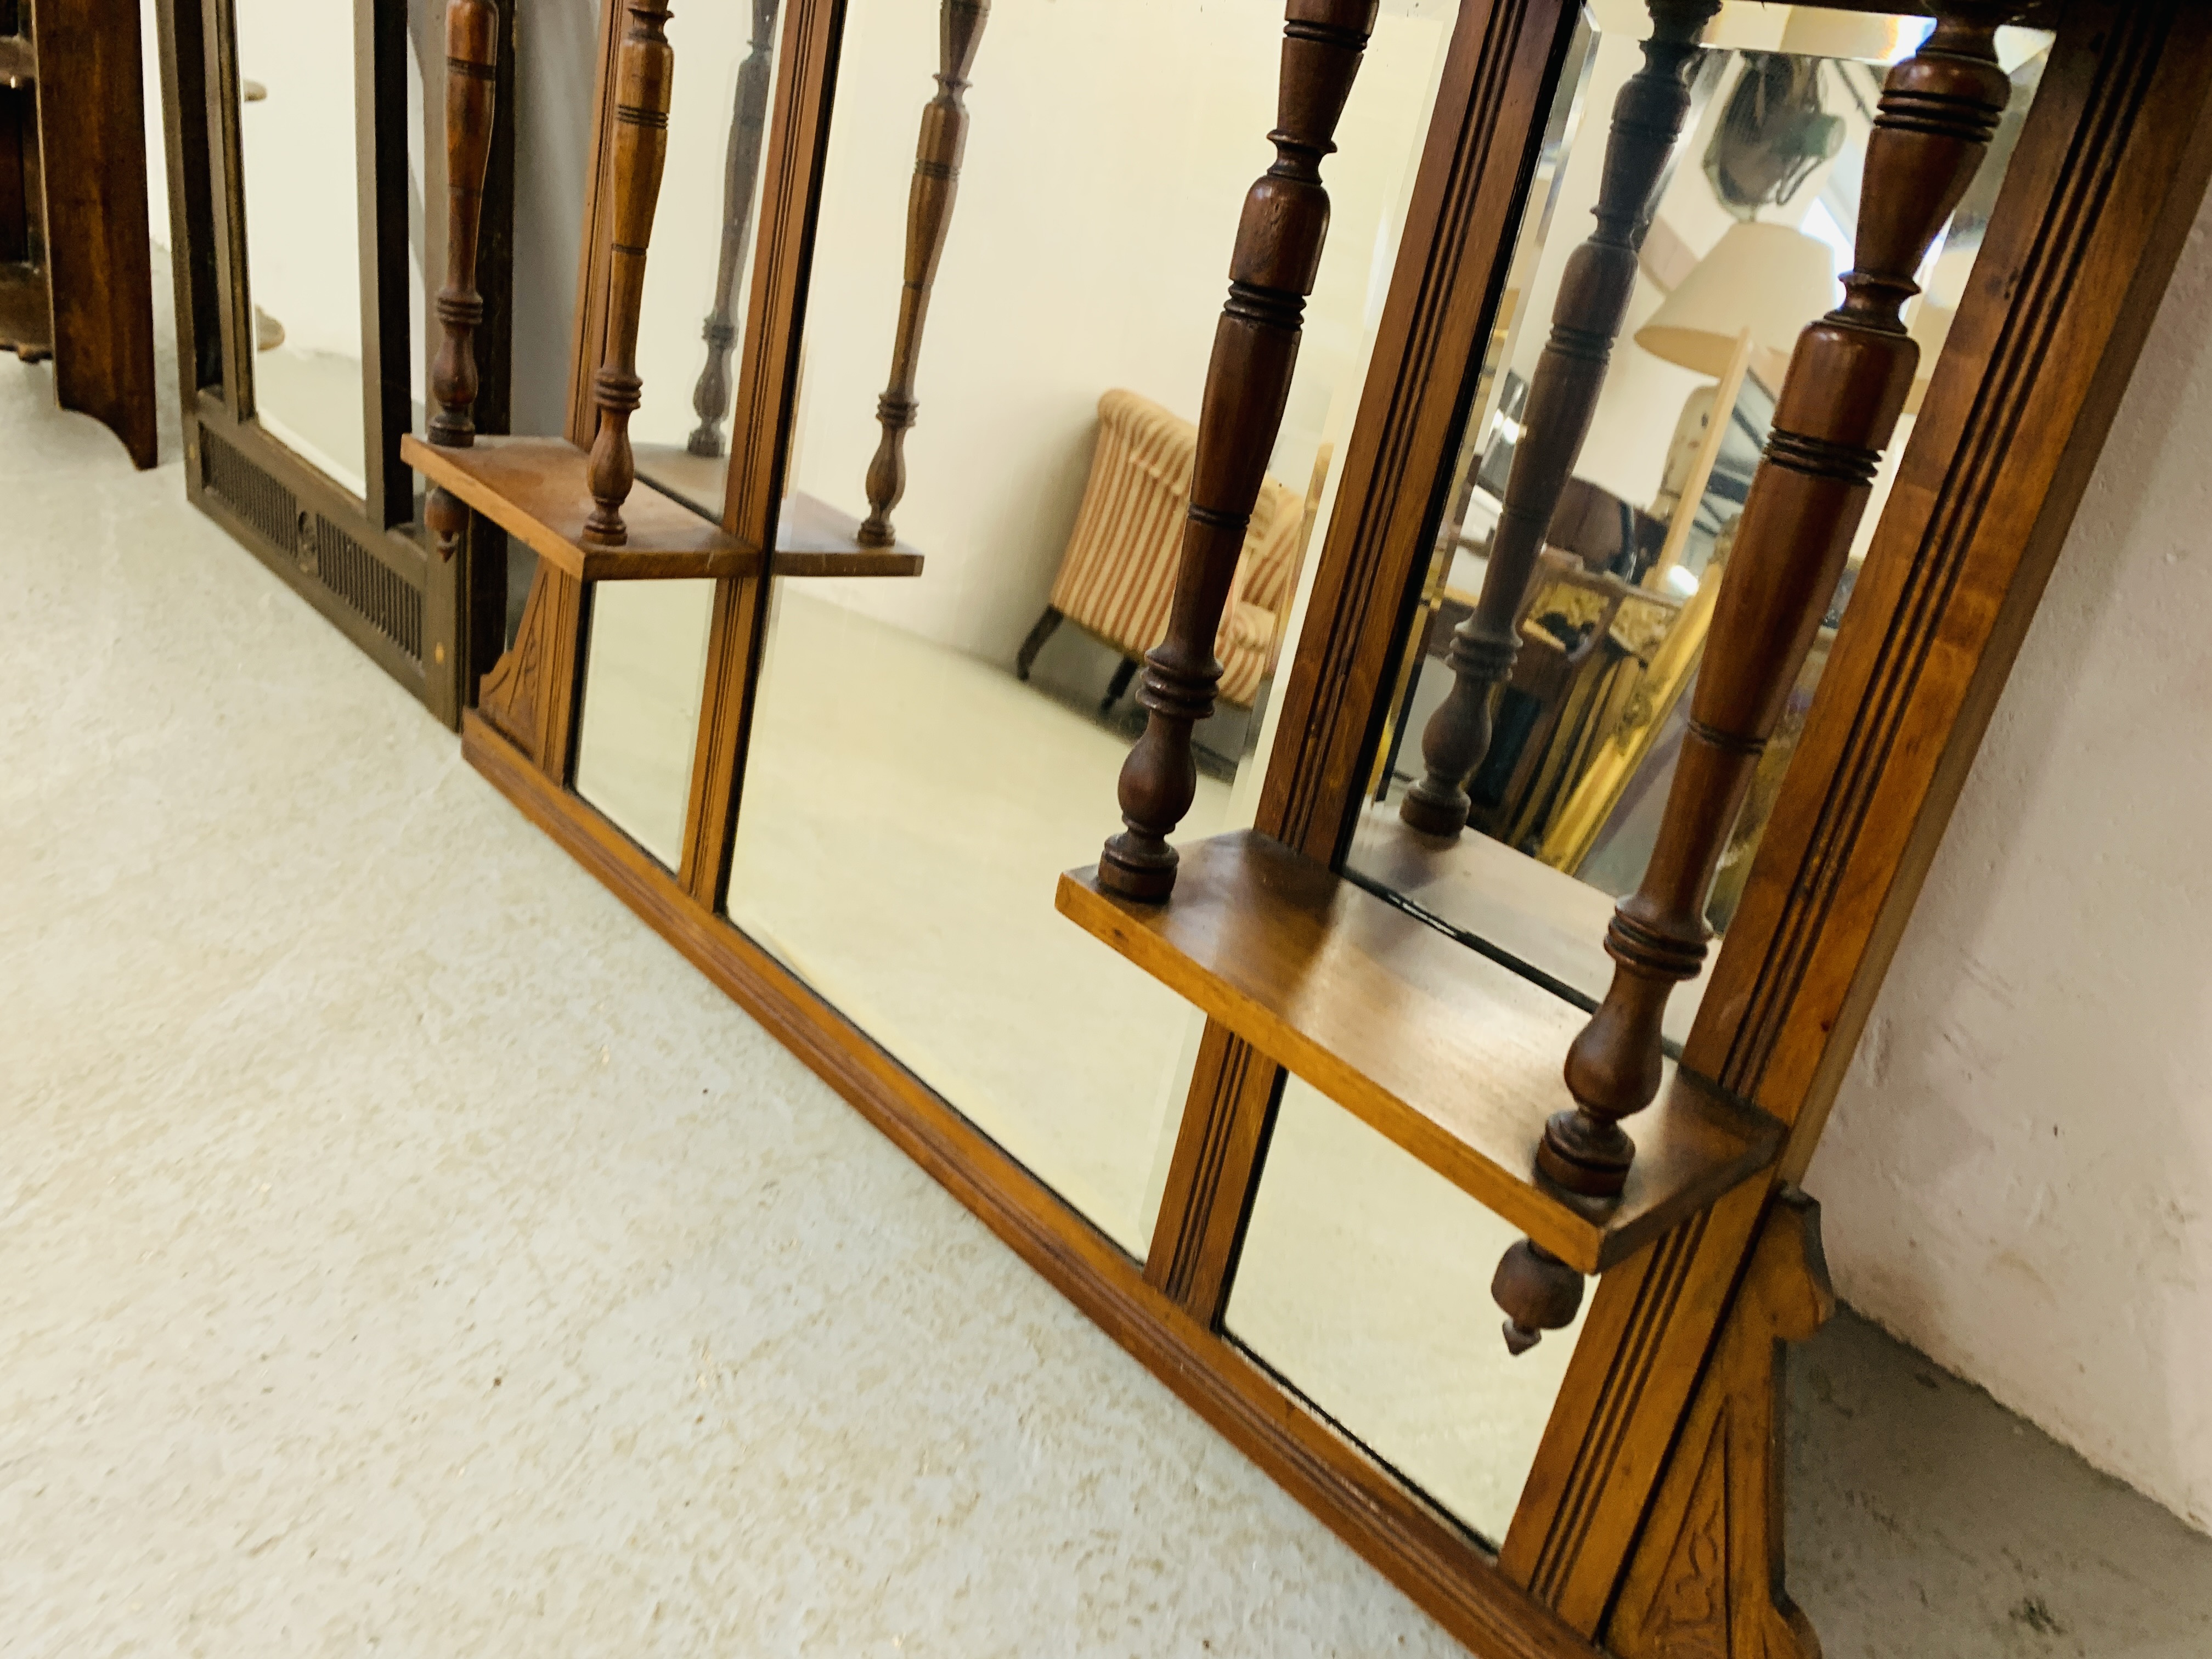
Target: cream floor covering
406, 1252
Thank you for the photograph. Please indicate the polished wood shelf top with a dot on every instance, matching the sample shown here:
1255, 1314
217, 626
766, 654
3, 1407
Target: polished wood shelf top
535, 489
812, 538
1454, 1057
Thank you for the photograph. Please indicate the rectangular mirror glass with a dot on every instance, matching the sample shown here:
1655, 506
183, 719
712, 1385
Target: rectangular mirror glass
939, 722
1753, 228
299, 165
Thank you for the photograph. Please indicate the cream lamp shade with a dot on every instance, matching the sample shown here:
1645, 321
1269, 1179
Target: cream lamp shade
1769, 279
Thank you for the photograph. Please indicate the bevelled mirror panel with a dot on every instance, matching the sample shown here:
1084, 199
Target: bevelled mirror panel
945, 700
298, 159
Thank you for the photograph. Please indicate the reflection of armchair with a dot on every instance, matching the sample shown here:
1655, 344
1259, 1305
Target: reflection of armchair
1117, 576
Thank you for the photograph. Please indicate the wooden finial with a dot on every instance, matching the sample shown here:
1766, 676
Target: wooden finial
1837, 411
936, 157
646, 72
1586, 317
471, 72
1539, 1292
740, 187
1255, 346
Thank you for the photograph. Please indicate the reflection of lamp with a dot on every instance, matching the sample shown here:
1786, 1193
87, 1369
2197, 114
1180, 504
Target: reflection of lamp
1768, 279
1741, 308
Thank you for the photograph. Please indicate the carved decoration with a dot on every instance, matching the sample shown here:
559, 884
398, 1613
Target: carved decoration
1563, 396
710, 399
471, 71
1705, 1579
646, 71
937, 158
525, 698
1255, 346
1837, 412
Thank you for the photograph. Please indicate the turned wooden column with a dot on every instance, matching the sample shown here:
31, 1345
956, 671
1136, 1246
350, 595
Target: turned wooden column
1586, 317
1255, 347
928, 219
741, 189
471, 69
646, 71
1837, 411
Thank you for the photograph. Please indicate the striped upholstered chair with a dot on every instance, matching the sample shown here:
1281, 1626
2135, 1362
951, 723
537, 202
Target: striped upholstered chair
1117, 575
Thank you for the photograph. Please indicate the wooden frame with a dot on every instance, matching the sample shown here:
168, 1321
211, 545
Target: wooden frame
2100, 195
364, 561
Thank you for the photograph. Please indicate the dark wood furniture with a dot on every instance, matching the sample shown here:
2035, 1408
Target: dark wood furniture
365, 561
1648, 1525
76, 271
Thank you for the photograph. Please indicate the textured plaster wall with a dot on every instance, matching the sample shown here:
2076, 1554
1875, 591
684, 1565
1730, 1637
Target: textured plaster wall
2018, 1177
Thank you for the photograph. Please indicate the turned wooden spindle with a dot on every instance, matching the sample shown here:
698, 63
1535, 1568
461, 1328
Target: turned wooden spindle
1586, 317
1255, 347
645, 74
936, 157
1837, 411
741, 189
471, 71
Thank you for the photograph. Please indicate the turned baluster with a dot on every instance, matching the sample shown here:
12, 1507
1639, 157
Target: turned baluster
646, 72
740, 187
1586, 317
1255, 347
472, 69
1837, 412
936, 157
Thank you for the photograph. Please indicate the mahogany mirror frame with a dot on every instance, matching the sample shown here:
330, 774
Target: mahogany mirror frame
2100, 196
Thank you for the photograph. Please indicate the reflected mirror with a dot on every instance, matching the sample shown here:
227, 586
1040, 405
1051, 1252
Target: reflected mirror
1752, 228
644, 668
296, 134
944, 705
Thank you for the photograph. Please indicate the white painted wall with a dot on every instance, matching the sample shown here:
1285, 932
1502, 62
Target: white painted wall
1090, 250
2018, 1177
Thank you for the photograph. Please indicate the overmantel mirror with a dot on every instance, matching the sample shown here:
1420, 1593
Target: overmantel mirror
1627, 459
303, 333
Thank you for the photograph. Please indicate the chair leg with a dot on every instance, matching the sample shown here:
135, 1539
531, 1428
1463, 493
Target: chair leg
1027, 655
1122, 675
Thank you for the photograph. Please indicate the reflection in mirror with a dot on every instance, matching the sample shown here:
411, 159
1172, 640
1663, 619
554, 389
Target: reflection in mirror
1009, 376
1365, 1281
1558, 633
698, 280
296, 138
645, 670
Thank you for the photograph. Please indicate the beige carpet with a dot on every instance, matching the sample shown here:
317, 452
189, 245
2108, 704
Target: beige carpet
407, 1253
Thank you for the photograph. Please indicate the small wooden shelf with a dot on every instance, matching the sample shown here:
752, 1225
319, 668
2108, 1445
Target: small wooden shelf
1452, 1056
812, 538
535, 489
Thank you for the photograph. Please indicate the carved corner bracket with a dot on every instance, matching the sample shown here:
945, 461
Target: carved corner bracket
1705, 1581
